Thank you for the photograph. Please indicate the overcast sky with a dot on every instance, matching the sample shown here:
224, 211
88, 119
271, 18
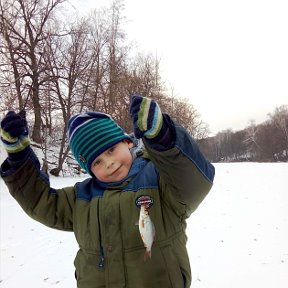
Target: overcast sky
229, 57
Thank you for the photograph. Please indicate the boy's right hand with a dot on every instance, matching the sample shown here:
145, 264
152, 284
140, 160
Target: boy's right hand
14, 132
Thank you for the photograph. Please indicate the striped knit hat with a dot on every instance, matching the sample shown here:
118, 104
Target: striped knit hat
90, 134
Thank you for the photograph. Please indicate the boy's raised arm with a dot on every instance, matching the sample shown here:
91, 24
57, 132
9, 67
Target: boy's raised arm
182, 167
26, 183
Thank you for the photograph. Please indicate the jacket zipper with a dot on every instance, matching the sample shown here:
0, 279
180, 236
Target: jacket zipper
101, 256
102, 259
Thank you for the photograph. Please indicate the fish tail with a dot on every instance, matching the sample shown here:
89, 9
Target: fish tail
147, 255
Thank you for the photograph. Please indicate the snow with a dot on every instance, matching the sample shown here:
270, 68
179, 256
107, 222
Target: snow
238, 237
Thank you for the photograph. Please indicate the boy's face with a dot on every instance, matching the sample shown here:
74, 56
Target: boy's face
113, 164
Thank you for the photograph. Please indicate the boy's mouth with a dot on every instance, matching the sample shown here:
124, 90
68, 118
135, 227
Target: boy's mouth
115, 171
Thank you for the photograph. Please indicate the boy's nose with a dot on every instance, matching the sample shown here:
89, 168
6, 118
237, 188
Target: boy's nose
110, 163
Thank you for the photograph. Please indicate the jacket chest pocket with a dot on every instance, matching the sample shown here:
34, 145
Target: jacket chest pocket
87, 271
86, 224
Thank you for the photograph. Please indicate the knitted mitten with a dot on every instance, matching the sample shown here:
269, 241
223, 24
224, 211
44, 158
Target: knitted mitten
147, 118
14, 134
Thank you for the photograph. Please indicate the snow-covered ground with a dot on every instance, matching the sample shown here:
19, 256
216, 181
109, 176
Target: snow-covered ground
237, 238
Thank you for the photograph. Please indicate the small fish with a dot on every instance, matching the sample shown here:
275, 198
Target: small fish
147, 230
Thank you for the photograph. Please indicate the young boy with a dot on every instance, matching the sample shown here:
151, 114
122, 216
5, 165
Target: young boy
170, 177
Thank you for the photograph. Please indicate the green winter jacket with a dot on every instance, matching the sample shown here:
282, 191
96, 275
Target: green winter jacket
103, 217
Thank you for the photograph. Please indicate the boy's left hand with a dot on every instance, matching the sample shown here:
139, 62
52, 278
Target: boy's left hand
147, 117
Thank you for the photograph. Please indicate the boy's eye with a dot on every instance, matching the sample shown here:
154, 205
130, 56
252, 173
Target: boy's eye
96, 162
112, 149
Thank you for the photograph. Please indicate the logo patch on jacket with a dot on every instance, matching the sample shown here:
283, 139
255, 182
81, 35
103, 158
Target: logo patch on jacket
144, 200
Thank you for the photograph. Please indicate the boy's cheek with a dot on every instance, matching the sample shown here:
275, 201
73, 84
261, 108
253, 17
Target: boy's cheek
101, 175
95, 172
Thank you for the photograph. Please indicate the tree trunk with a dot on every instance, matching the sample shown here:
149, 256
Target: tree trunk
36, 134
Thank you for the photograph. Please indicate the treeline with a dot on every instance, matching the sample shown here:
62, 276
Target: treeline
54, 64
266, 142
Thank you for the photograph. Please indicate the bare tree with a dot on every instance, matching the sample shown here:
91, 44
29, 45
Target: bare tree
144, 77
279, 120
185, 114
69, 61
24, 29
